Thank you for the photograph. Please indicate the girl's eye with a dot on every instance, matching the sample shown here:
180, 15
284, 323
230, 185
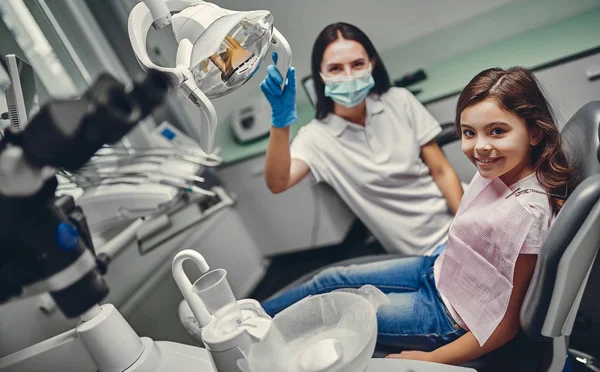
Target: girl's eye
497, 131
334, 69
468, 133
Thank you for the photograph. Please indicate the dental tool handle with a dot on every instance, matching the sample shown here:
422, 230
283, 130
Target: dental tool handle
196, 305
284, 54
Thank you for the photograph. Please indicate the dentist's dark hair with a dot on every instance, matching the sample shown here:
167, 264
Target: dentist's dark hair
517, 91
346, 31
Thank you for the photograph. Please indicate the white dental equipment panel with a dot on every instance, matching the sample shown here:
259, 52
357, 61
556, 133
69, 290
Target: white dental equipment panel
108, 206
252, 121
167, 135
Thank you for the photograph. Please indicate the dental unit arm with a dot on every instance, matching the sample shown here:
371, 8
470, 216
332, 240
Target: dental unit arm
45, 244
218, 49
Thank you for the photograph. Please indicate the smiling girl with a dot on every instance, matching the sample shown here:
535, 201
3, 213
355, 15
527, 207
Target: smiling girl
465, 302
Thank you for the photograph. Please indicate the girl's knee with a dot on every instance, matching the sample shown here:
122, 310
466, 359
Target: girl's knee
328, 272
332, 276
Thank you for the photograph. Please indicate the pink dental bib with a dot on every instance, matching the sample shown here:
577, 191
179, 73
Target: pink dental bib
476, 275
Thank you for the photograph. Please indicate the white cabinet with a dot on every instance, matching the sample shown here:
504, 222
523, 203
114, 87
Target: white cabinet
302, 217
568, 87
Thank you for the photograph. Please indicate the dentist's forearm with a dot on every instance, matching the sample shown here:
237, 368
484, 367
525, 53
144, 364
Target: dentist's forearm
278, 162
450, 186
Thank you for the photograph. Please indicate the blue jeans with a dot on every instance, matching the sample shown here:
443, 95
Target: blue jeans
415, 317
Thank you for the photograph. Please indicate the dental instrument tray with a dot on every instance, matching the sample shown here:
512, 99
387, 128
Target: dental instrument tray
186, 212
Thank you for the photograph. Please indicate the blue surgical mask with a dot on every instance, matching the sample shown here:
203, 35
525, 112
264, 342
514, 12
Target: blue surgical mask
349, 91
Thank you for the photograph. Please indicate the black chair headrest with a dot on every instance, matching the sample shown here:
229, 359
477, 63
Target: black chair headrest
447, 135
581, 137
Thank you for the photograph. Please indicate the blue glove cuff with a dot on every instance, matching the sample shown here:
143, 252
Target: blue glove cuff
282, 121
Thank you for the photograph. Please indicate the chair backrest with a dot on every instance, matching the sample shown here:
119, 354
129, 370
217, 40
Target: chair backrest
566, 259
447, 135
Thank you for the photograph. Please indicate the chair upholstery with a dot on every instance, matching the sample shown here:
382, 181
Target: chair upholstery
447, 135
581, 141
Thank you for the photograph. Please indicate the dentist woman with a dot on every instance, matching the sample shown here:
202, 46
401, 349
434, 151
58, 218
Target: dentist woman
373, 143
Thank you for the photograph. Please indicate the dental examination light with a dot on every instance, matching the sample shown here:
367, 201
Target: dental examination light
218, 49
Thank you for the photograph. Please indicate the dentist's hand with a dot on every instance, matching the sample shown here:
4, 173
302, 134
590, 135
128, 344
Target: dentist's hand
283, 103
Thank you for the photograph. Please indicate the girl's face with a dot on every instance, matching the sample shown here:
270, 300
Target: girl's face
497, 142
344, 58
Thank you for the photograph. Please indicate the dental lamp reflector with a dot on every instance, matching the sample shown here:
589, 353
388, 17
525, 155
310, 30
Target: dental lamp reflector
220, 68
218, 49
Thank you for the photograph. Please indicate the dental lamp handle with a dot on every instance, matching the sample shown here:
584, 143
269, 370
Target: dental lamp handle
284, 54
139, 22
194, 94
194, 301
160, 13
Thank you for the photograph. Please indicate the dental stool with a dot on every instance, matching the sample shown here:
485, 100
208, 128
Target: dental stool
563, 265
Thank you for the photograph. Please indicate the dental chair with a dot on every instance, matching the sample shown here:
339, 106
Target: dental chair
563, 266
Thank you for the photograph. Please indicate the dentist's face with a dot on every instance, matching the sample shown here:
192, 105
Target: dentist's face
344, 58
497, 142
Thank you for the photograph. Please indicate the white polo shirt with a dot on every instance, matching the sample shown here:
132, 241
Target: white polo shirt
377, 170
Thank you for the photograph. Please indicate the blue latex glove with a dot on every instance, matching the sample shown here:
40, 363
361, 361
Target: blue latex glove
283, 103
